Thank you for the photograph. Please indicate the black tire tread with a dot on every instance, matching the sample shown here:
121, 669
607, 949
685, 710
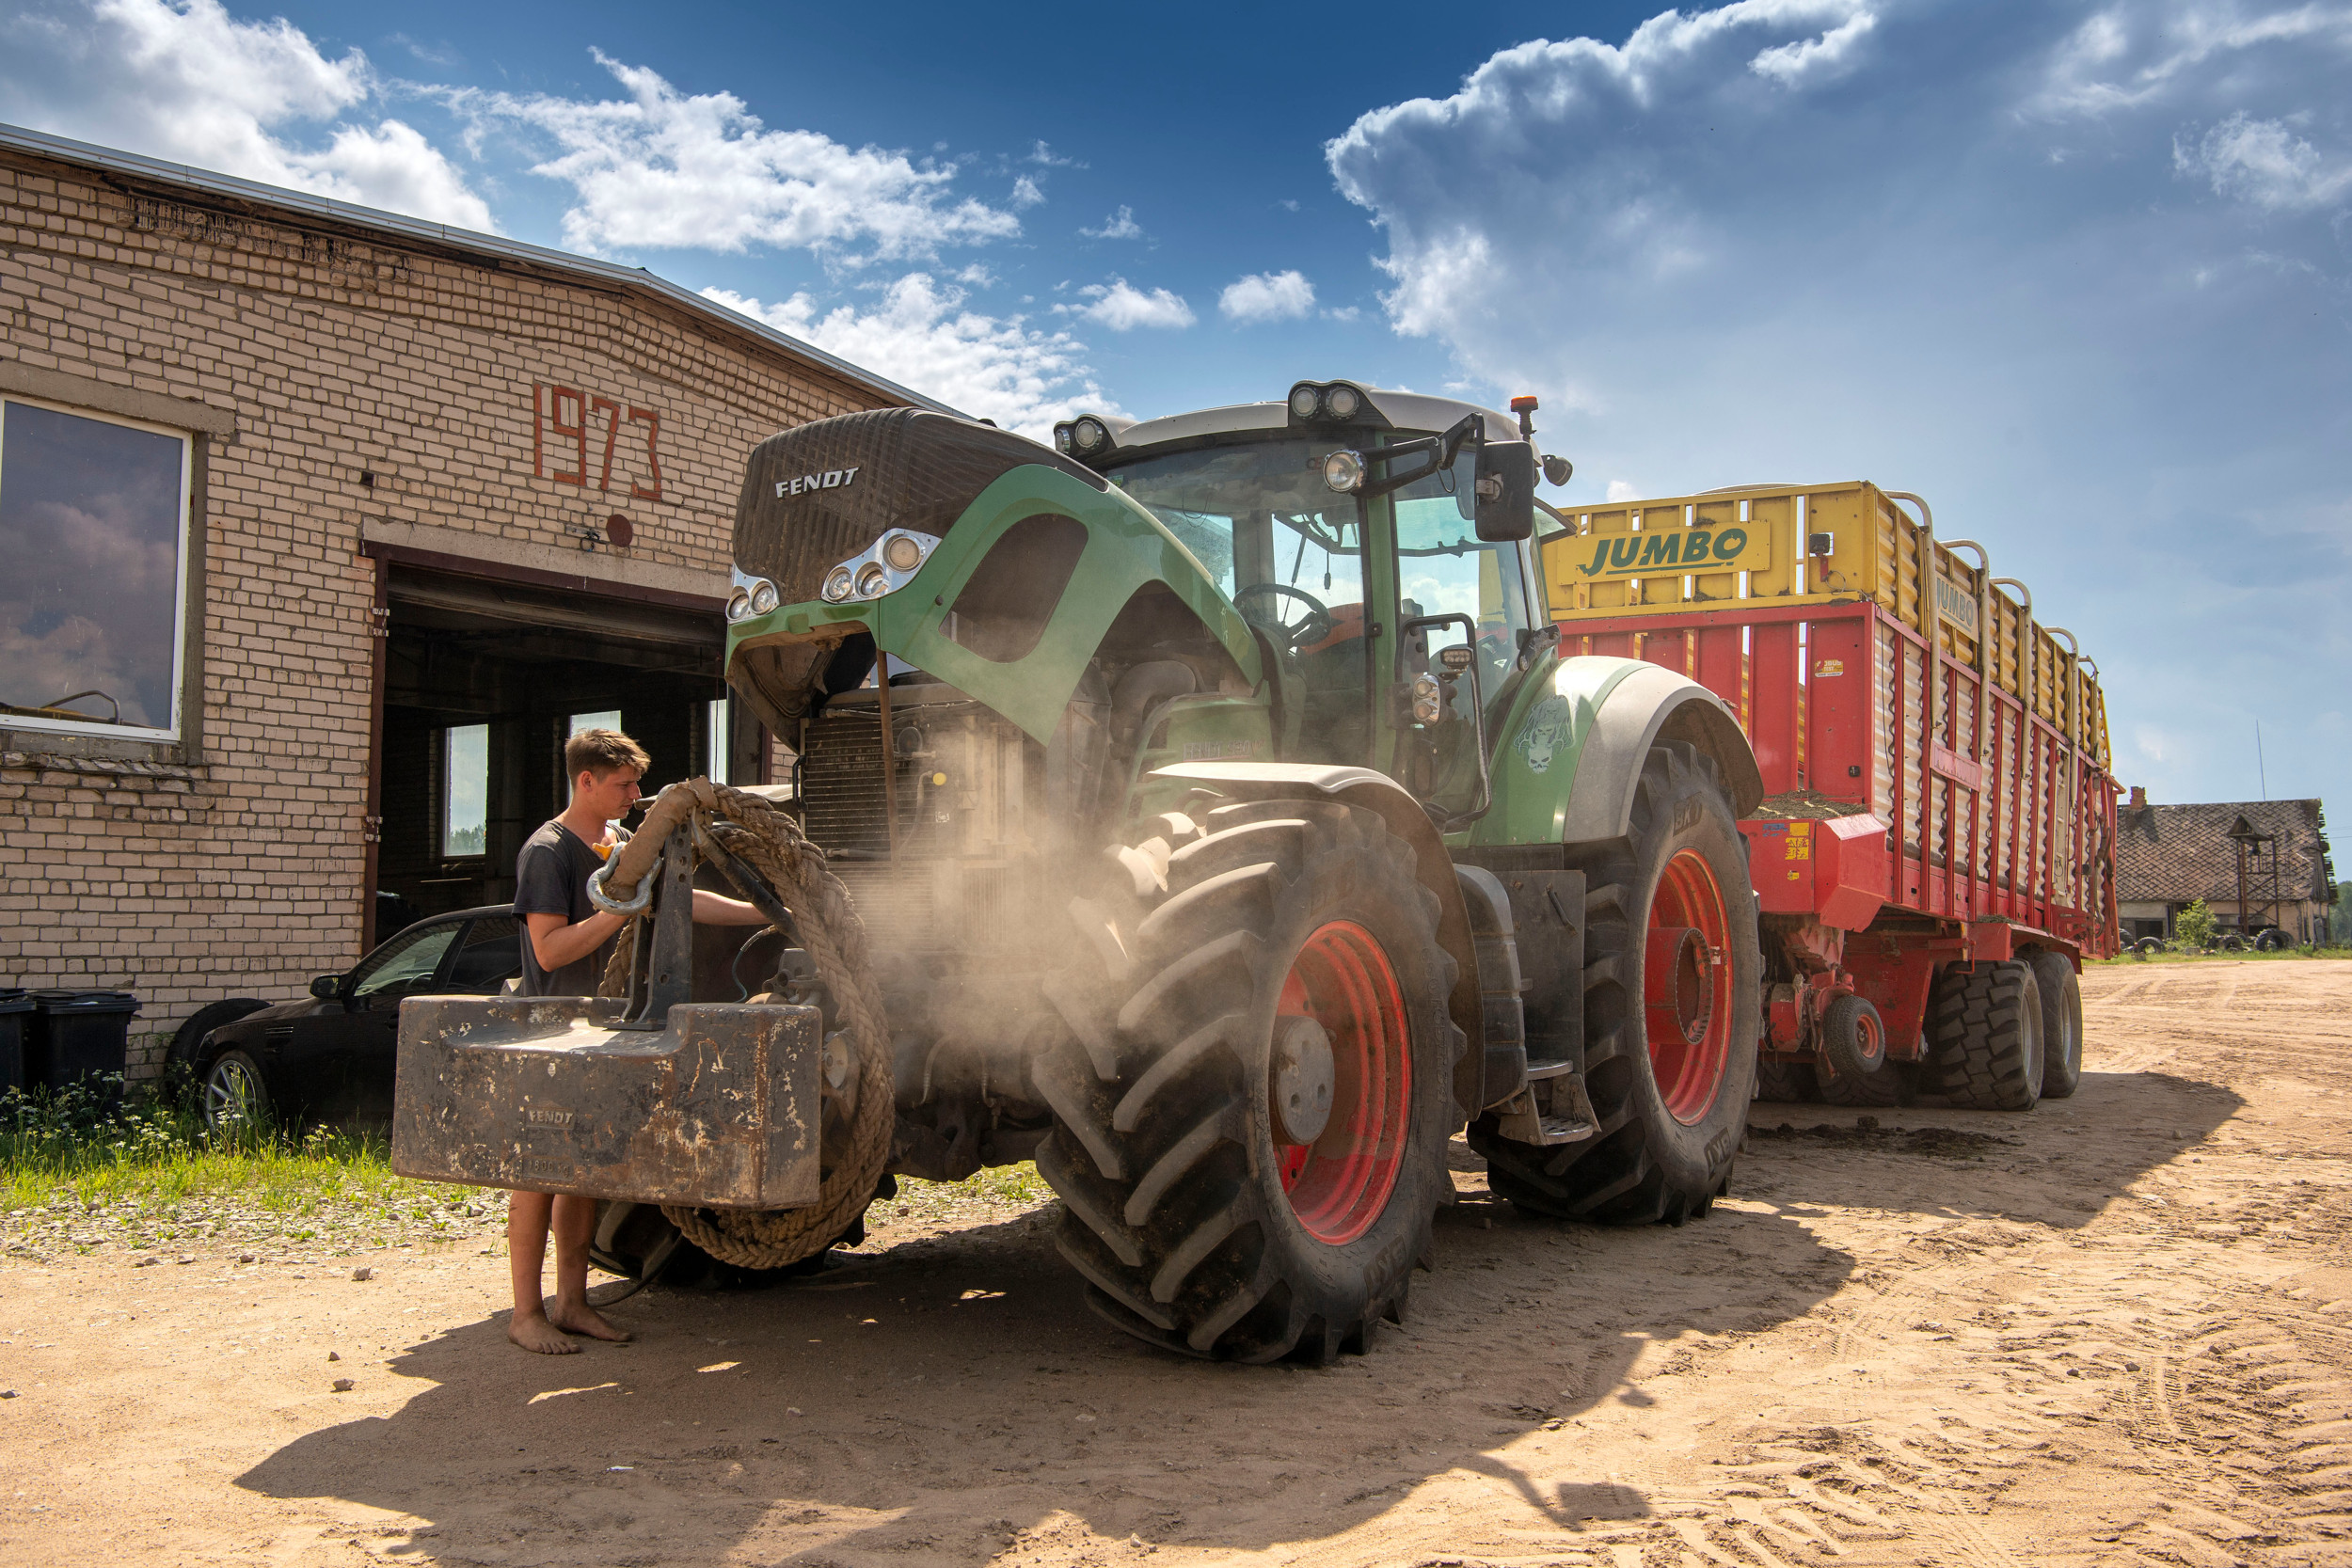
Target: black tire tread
1976, 1036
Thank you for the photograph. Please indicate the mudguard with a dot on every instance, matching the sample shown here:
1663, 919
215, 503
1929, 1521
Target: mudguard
1572, 749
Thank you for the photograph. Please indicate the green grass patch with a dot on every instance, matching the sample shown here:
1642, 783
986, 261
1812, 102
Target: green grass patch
2291, 954
98, 1165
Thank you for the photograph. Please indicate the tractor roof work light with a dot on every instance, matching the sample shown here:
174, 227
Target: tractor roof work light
1084, 436
1343, 471
1329, 401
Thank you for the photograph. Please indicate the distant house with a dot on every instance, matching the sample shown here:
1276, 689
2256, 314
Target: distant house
2167, 857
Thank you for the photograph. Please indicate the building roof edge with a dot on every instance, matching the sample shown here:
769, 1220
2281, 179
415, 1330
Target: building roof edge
63, 149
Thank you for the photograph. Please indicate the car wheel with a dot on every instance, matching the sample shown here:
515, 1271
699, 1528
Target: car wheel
236, 1094
187, 1043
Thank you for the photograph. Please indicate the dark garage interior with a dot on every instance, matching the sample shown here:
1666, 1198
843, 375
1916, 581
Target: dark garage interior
484, 681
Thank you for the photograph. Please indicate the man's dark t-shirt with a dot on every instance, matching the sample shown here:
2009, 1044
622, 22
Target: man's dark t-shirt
552, 878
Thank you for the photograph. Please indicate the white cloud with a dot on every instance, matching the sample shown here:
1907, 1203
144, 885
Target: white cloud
1973, 249
184, 80
1120, 224
2263, 162
1268, 297
1025, 193
1047, 157
1620, 490
922, 336
1121, 307
663, 169
2140, 52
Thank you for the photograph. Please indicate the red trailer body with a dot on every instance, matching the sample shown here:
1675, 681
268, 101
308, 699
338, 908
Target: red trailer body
1935, 765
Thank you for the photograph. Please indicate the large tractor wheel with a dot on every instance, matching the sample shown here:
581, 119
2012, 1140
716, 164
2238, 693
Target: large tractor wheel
1672, 1011
2062, 1024
1251, 1120
1985, 1036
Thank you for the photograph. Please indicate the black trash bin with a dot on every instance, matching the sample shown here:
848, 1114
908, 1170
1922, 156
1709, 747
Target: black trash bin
77, 1033
16, 1012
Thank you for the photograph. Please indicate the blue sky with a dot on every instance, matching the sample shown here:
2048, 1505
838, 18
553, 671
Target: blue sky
2075, 272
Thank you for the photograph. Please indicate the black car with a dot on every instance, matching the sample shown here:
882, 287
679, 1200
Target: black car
332, 1056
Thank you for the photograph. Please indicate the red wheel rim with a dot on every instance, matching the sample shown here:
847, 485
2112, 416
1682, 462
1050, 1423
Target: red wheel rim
1339, 1185
1686, 987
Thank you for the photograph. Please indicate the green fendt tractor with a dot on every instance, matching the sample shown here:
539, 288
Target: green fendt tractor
1225, 834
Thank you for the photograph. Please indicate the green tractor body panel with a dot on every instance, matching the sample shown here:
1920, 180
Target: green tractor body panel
1121, 548
1536, 748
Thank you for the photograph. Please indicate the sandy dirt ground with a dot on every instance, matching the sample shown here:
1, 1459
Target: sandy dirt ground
2117, 1330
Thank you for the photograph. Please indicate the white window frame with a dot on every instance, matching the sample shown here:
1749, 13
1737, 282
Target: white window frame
179, 587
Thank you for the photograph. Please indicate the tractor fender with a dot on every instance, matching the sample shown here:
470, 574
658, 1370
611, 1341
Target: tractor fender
1638, 709
1433, 865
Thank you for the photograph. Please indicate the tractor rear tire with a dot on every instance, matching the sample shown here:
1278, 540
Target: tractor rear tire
1986, 1036
2062, 1024
1282, 963
1786, 1083
1673, 1107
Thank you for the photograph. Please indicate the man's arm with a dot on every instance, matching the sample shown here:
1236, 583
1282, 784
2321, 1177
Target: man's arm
717, 908
556, 942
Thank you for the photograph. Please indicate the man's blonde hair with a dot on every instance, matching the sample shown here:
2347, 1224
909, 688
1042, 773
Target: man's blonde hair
599, 751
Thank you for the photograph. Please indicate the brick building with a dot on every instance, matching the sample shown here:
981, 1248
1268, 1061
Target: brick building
2167, 857
319, 530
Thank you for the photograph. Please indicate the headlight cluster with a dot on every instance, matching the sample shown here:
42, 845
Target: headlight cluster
1085, 436
893, 558
752, 597
1336, 401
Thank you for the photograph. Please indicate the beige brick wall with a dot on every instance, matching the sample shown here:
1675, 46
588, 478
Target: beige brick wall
236, 866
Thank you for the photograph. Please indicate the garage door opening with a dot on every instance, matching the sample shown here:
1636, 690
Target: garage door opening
483, 682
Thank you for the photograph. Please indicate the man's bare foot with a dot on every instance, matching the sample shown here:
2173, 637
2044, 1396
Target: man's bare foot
583, 1319
536, 1333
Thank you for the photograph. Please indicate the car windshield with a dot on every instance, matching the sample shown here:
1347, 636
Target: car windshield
408, 959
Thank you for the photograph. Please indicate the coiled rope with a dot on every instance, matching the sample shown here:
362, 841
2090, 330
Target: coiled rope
760, 834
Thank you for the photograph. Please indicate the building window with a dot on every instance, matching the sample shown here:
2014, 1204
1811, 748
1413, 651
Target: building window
93, 533
609, 720
465, 790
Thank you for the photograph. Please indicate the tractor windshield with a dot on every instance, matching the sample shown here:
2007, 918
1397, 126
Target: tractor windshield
1288, 552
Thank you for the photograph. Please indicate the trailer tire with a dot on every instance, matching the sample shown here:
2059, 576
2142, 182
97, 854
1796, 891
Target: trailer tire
1284, 962
1662, 1151
1786, 1083
2062, 1024
1986, 1036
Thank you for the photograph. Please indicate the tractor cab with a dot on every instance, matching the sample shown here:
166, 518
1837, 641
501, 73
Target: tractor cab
1379, 543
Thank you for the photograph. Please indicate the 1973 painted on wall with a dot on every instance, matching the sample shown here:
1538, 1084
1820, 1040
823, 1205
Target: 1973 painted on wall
567, 424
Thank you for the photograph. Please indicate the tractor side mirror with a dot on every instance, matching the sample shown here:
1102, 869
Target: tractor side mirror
327, 987
1506, 491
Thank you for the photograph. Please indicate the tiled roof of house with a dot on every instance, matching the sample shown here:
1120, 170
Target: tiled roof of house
2171, 854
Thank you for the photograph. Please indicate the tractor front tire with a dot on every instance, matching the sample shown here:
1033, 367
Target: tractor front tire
1252, 1111
1672, 1000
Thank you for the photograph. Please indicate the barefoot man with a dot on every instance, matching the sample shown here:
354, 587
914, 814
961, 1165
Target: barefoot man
571, 940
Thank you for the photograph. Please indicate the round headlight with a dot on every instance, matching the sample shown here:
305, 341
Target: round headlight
1343, 471
873, 580
763, 598
1062, 441
1090, 433
738, 605
902, 553
1305, 400
838, 585
1343, 402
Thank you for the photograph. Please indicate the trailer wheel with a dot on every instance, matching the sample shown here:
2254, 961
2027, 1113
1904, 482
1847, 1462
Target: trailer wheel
1853, 1037
1786, 1083
1987, 1037
1251, 1117
1672, 1003
2062, 1024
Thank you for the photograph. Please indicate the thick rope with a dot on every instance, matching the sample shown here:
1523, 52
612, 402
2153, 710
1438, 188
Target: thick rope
834, 937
